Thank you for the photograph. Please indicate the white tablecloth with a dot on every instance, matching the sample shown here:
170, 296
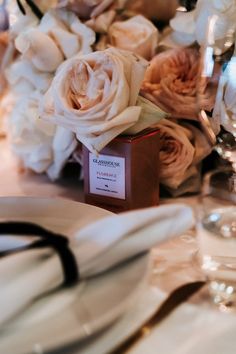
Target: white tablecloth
195, 327
14, 182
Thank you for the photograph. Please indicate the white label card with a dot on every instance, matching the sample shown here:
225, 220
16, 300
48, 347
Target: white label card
107, 175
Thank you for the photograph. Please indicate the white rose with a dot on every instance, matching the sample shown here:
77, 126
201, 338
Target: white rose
137, 34
40, 49
20, 22
183, 26
24, 78
95, 95
40, 145
30, 136
193, 26
101, 23
63, 145
59, 35
70, 34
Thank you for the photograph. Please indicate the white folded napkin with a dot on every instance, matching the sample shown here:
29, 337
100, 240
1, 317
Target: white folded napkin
97, 247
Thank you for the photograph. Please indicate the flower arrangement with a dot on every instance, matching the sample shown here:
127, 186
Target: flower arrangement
85, 71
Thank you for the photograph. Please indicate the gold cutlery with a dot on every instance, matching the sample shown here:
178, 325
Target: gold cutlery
176, 298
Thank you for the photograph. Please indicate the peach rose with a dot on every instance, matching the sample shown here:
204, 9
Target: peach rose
137, 34
95, 95
182, 147
171, 83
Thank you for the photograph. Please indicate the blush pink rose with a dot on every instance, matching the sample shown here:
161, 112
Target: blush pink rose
171, 83
182, 147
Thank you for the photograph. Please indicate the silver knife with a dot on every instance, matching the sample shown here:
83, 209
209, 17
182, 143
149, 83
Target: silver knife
176, 298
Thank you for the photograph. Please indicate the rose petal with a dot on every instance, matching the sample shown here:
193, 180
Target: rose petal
95, 95
176, 153
137, 34
40, 49
171, 83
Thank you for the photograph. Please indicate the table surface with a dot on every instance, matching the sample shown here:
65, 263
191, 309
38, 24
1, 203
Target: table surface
174, 264
15, 182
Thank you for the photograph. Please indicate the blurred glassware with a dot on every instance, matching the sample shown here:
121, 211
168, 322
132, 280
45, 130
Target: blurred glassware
216, 233
4, 17
217, 71
216, 226
188, 4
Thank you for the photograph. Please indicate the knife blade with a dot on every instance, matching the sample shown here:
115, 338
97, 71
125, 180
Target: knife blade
175, 298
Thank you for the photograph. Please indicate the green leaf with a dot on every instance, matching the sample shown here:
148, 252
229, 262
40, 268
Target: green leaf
150, 115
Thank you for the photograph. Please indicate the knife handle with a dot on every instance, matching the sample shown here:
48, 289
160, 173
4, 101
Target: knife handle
175, 298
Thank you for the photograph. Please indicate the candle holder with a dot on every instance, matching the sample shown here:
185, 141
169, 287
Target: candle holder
125, 174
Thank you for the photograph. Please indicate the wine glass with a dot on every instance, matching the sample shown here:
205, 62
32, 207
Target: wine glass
4, 17
217, 74
216, 219
216, 234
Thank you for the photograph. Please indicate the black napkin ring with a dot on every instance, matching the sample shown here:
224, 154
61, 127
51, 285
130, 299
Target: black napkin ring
48, 238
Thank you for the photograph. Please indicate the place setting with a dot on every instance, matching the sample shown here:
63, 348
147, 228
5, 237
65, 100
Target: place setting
38, 312
117, 286
117, 176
